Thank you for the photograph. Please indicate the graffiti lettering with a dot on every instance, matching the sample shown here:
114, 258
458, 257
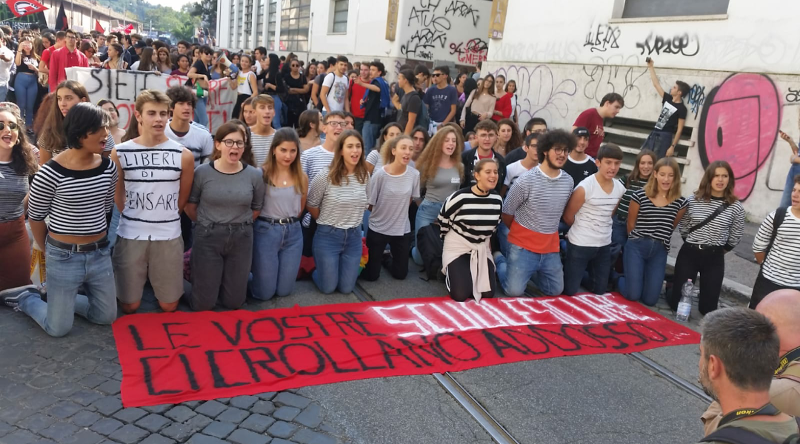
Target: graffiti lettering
603, 38
739, 124
678, 45
538, 93
607, 77
423, 39
432, 30
697, 96
460, 9
793, 96
471, 53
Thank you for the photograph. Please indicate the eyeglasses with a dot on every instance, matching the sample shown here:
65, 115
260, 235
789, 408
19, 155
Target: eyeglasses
230, 143
10, 125
560, 150
71, 37
338, 123
486, 135
436, 74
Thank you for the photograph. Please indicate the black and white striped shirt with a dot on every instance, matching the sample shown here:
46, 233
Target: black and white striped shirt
313, 161
76, 201
13, 188
339, 206
725, 230
472, 216
655, 222
783, 261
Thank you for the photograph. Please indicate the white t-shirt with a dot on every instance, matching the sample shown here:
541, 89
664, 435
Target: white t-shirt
244, 83
338, 90
513, 171
198, 140
5, 67
592, 227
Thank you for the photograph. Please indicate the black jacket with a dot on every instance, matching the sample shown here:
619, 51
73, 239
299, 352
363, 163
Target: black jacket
470, 158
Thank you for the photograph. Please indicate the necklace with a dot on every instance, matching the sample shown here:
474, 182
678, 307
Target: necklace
479, 189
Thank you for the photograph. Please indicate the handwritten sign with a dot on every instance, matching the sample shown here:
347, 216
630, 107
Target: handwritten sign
177, 357
122, 88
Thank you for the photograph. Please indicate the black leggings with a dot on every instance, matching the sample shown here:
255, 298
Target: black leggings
460, 277
711, 266
237, 109
397, 264
763, 287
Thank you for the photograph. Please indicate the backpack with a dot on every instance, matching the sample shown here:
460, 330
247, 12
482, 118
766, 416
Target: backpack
423, 119
430, 245
780, 215
737, 435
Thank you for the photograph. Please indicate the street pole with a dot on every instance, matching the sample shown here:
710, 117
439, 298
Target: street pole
72, 14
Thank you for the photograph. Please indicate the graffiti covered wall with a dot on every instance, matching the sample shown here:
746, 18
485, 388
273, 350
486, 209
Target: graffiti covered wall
739, 97
452, 30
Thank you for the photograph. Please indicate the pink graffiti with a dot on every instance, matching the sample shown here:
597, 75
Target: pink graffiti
739, 124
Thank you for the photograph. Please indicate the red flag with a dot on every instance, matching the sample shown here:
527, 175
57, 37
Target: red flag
98, 28
21, 8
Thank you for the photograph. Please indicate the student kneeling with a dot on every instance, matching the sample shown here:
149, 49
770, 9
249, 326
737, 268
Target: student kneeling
589, 213
468, 219
226, 197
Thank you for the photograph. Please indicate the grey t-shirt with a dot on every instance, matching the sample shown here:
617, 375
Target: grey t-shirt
390, 197
446, 182
226, 198
281, 203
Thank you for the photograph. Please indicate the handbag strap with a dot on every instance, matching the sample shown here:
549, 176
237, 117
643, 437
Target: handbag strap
710, 217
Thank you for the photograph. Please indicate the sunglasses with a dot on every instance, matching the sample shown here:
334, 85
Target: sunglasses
10, 125
436, 74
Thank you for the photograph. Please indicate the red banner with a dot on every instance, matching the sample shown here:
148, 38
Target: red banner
98, 28
21, 8
177, 357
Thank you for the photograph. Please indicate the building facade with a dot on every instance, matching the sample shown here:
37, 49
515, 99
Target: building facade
740, 58
394, 31
82, 14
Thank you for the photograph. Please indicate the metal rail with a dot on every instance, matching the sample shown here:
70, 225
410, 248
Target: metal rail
460, 394
671, 377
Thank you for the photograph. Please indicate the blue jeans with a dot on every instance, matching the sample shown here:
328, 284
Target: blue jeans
67, 271
502, 237
277, 250
658, 142
370, 133
276, 121
619, 236
113, 226
427, 213
337, 254
522, 265
3, 92
26, 88
645, 262
200, 112
596, 259
786, 197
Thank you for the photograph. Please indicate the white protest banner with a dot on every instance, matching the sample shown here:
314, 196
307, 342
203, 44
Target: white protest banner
122, 87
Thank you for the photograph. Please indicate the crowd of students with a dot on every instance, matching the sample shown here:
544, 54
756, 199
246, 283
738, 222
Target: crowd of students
282, 182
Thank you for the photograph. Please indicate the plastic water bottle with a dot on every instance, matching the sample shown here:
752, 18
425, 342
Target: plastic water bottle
685, 305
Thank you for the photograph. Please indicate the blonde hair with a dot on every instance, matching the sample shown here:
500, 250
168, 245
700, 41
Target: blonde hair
389, 145
651, 188
428, 162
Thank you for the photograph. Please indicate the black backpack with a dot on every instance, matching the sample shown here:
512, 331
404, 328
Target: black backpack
430, 245
737, 435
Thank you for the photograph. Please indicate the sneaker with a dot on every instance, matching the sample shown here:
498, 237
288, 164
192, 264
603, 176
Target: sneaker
13, 296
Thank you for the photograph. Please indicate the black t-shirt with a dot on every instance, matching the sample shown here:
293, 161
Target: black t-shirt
372, 107
515, 155
296, 101
670, 113
24, 66
318, 80
580, 171
410, 103
200, 68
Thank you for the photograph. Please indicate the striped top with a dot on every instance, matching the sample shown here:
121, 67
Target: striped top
783, 260
339, 206
474, 217
261, 145
13, 188
313, 161
655, 222
725, 230
625, 202
76, 201
537, 200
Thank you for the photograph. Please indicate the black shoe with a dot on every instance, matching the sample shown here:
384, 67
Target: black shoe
13, 296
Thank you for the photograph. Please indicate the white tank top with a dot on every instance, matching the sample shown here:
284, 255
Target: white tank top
152, 184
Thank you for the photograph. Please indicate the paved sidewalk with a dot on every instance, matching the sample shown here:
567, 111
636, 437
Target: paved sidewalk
67, 390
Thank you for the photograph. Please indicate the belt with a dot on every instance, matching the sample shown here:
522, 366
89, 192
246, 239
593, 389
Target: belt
284, 221
79, 248
231, 225
703, 247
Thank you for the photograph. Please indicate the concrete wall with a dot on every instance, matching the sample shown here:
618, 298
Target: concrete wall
453, 31
565, 62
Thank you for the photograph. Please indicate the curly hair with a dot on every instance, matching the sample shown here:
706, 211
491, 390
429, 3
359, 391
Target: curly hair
555, 137
428, 161
23, 161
